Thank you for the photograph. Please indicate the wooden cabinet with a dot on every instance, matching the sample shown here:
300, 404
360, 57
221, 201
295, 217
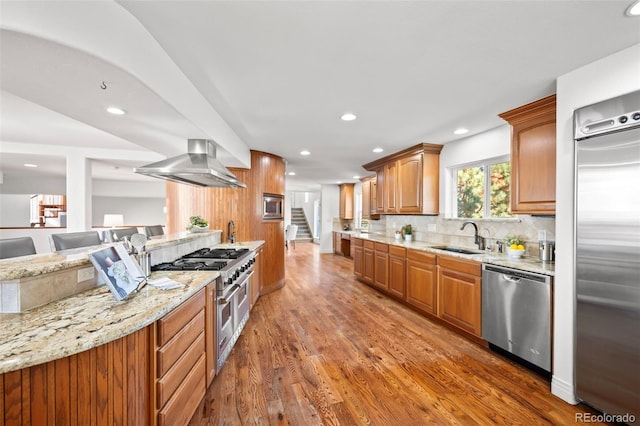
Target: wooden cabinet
460, 293
374, 198
368, 260
422, 280
369, 198
255, 285
381, 266
407, 182
181, 370
342, 243
397, 262
337, 243
533, 157
210, 332
357, 246
346, 200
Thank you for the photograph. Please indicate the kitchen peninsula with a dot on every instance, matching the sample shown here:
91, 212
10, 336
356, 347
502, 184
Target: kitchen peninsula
88, 358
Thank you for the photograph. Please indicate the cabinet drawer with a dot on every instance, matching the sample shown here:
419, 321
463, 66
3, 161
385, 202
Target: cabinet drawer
461, 265
382, 248
173, 322
397, 251
168, 354
369, 244
421, 256
357, 242
185, 400
167, 385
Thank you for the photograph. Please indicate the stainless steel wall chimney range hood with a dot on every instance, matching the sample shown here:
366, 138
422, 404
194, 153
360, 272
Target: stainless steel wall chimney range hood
198, 167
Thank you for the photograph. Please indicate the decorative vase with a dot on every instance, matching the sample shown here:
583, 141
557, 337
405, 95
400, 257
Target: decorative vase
196, 229
407, 237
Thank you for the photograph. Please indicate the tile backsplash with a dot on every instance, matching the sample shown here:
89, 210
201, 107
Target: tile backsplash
438, 230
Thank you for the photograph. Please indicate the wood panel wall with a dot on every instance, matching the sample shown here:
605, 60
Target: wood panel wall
243, 206
106, 385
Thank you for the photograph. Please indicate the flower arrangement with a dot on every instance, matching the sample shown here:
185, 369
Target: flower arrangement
407, 230
515, 245
197, 223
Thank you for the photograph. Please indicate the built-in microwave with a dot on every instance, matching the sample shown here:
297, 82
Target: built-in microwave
272, 207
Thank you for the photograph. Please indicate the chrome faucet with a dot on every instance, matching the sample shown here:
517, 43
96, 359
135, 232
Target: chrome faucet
477, 238
231, 232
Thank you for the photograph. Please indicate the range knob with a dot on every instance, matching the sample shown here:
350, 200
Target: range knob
237, 274
229, 281
636, 116
623, 119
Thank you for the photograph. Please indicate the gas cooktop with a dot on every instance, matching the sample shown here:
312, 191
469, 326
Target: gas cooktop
216, 253
190, 265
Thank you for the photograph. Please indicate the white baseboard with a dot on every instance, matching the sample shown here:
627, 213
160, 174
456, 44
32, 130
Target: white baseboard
563, 390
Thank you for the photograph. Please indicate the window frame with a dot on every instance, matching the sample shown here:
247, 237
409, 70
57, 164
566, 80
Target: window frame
452, 171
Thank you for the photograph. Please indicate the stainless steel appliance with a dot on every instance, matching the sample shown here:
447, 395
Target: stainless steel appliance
547, 251
272, 207
516, 313
607, 255
232, 290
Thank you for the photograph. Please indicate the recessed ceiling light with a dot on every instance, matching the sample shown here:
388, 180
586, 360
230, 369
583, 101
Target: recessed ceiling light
356, 177
339, 182
460, 131
348, 116
115, 111
30, 165
377, 150
634, 9
291, 173
305, 152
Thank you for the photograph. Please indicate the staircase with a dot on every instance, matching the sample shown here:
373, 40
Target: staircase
298, 218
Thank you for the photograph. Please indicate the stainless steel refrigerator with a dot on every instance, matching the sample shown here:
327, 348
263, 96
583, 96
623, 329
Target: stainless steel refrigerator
607, 250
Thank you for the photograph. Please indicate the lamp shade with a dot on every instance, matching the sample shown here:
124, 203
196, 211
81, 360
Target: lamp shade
113, 220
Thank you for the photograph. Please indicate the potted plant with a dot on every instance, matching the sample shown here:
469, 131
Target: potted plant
407, 230
515, 245
198, 224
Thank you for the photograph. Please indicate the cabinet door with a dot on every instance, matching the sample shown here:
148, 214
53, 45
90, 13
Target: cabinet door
380, 191
381, 270
210, 332
421, 286
460, 299
366, 199
533, 166
358, 266
346, 200
337, 242
410, 184
374, 199
368, 262
397, 281
391, 187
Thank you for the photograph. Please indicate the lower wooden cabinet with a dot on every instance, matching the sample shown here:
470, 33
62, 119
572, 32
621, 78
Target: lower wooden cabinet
422, 280
397, 273
181, 369
368, 260
381, 266
357, 247
460, 293
255, 285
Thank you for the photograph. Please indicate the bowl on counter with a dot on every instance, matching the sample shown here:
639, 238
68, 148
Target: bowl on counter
515, 253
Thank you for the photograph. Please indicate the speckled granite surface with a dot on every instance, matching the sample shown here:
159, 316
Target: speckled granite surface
530, 264
87, 320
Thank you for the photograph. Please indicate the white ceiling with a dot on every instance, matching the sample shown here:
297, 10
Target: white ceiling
275, 76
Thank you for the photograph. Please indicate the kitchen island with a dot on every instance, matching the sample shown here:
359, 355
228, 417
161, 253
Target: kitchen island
89, 359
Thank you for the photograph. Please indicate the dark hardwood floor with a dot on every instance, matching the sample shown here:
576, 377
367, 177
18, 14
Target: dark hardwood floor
327, 349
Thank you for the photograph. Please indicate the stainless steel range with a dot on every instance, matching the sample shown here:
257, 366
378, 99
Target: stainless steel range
232, 290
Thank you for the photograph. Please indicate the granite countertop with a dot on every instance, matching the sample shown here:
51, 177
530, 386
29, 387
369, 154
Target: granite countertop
91, 318
528, 263
37, 264
87, 320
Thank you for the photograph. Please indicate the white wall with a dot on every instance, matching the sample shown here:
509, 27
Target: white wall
136, 211
15, 210
330, 208
609, 77
492, 143
33, 185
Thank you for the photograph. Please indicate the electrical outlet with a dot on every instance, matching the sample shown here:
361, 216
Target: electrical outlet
542, 235
86, 274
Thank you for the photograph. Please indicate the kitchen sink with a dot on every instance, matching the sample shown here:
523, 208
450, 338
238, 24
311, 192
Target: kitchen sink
457, 250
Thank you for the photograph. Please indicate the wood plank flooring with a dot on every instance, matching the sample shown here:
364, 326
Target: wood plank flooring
328, 350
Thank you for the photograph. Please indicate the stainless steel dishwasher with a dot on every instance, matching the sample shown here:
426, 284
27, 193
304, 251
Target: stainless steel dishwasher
516, 313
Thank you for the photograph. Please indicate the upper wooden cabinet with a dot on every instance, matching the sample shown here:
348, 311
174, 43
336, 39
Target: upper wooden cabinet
533, 157
408, 181
346, 200
369, 198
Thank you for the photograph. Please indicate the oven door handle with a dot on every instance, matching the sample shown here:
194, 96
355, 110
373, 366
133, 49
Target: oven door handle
229, 297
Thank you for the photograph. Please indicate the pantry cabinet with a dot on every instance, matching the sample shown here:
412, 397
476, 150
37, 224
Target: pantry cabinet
407, 182
422, 281
460, 293
533, 157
